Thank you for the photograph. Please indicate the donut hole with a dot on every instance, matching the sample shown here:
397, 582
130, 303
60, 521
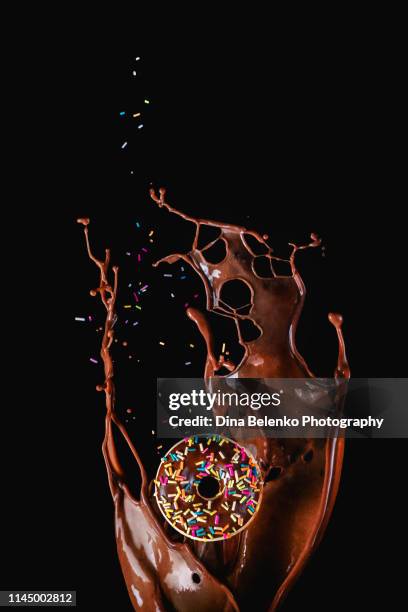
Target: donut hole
195, 578
209, 487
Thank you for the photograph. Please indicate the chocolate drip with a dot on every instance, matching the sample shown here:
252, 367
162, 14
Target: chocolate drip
342, 370
213, 364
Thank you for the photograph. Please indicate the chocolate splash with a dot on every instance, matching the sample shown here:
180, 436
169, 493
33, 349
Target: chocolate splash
301, 476
159, 573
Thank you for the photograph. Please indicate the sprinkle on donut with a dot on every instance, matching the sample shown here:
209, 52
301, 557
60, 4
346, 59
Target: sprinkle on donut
208, 488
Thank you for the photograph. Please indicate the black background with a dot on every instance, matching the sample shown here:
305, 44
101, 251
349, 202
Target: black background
286, 143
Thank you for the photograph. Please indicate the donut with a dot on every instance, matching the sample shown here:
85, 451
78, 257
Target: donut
208, 487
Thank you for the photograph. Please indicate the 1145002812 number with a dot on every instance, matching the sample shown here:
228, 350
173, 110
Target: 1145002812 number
37, 598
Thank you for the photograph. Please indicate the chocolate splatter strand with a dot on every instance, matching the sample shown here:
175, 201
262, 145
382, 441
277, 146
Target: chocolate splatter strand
108, 295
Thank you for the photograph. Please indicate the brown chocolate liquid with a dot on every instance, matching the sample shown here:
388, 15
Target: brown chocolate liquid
254, 569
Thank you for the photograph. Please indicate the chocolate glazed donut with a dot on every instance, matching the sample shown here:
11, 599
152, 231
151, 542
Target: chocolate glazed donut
301, 476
